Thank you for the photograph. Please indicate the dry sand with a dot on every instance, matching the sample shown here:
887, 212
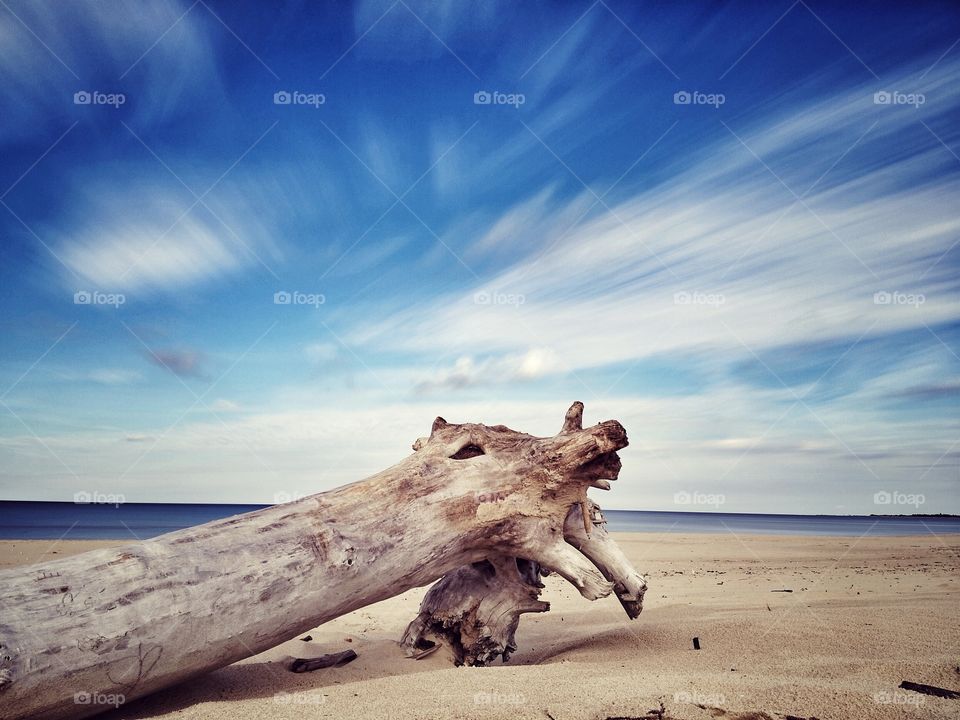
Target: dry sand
864, 614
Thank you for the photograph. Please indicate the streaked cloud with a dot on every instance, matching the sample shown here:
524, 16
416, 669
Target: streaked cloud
467, 371
724, 257
134, 257
115, 376
158, 53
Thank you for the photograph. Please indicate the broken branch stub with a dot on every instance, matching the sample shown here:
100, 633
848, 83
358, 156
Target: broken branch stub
127, 621
628, 585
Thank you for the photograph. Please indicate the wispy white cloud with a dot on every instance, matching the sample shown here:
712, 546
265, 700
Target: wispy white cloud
133, 257
101, 376
115, 376
322, 351
525, 227
467, 371
163, 46
724, 257
368, 257
223, 405
135, 237
417, 29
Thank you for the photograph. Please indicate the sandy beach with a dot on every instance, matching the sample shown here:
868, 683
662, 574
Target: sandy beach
863, 615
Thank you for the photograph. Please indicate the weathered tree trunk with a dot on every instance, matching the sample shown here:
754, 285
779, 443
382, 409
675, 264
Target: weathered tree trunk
475, 609
83, 632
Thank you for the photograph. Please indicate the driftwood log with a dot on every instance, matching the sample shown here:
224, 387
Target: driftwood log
83, 633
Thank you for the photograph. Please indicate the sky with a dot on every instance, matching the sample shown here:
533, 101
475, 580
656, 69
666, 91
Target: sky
250, 251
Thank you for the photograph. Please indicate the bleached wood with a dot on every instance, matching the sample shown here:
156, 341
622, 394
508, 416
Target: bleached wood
130, 620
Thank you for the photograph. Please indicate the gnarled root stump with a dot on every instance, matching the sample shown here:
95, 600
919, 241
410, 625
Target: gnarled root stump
475, 609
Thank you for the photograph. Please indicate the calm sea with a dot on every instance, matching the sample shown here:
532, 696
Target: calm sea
69, 521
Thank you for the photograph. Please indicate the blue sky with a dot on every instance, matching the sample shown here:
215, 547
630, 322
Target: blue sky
760, 283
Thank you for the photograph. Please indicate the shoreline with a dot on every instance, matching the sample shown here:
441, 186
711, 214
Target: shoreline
703, 535
54, 520
251, 506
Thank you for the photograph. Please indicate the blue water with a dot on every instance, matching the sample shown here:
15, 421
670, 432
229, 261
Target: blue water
61, 520
20, 520
757, 524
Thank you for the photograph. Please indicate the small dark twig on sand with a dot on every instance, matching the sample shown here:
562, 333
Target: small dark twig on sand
654, 714
930, 690
301, 665
422, 654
